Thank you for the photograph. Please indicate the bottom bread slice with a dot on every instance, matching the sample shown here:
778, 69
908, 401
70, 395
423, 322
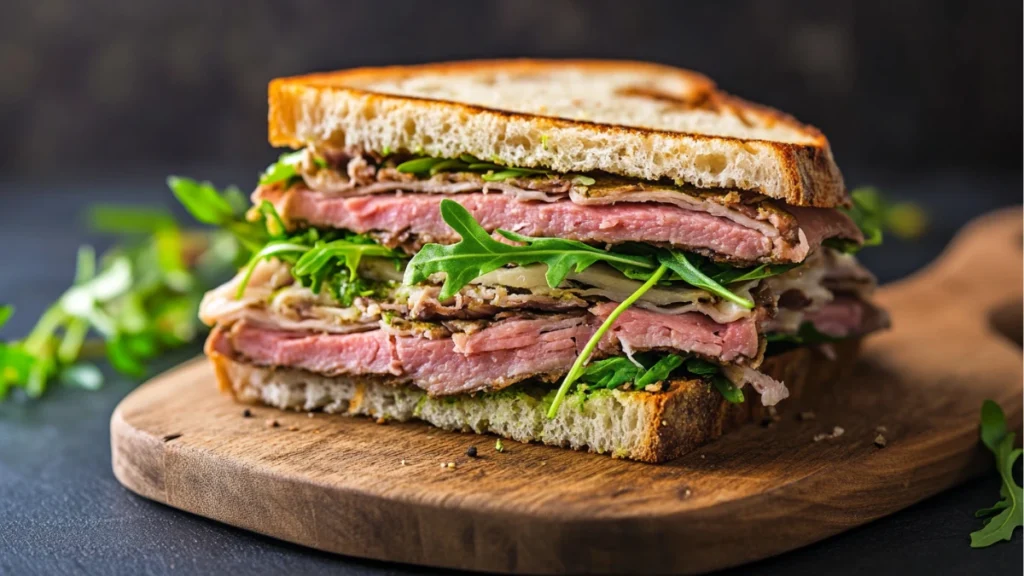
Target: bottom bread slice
639, 425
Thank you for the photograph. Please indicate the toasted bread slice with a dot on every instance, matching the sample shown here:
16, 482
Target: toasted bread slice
634, 119
645, 426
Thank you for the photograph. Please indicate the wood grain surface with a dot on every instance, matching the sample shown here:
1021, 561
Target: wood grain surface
379, 491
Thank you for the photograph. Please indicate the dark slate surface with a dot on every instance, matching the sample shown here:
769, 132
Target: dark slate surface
62, 511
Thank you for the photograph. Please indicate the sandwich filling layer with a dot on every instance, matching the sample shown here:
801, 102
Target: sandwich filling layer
370, 194
457, 276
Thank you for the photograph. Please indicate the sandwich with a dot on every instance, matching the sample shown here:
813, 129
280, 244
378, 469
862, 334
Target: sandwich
601, 255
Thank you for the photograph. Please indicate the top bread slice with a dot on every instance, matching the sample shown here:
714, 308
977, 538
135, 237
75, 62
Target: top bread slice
633, 119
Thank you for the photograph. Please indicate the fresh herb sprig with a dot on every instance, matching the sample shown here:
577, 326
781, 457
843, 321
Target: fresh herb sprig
1009, 511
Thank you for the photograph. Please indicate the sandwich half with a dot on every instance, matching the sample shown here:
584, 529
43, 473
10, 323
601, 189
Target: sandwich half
611, 256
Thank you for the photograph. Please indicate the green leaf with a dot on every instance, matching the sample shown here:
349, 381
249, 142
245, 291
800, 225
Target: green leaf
419, 165
610, 372
995, 437
588, 350
993, 425
120, 355
286, 168
701, 367
727, 389
6, 311
868, 213
202, 200
448, 166
274, 224
687, 272
128, 219
478, 253
730, 275
660, 371
271, 250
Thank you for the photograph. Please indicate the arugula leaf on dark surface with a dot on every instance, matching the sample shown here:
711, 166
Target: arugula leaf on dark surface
1009, 511
478, 253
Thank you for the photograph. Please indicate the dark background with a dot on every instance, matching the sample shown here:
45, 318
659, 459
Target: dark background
105, 88
100, 99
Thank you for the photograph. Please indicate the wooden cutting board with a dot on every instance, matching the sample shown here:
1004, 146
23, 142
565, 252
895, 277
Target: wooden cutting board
379, 491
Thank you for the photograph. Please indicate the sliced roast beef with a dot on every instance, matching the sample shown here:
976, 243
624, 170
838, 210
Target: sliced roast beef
410, 220
492, 357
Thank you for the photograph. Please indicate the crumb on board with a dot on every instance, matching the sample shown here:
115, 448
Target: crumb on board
805, 416
272, 423
404, 463
880, 441
382, 420
447, 465
293, 428
881, 429
498, 446
837, 431
309, 414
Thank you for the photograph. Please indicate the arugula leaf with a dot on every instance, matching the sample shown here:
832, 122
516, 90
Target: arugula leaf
219, 208
1010, 508
659, 371
6, 311
477, 254
577, 368
700, 367
868, 213
490, 171
286, 168
730, 275
202, 200
727, 389
610, 372
128, 219
687, 272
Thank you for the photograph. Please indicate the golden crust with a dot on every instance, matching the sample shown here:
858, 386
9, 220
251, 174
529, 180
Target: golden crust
807, 173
